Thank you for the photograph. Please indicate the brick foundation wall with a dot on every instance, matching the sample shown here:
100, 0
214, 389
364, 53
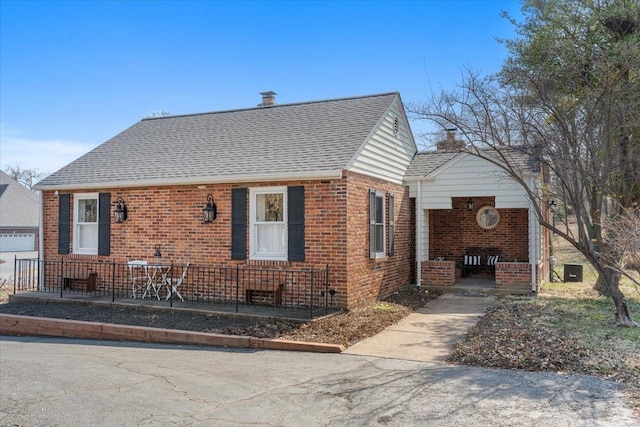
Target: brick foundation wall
438, 273
454, 230
172, 218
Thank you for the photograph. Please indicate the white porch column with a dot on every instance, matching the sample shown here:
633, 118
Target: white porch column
419, 234
40, 242
533, 238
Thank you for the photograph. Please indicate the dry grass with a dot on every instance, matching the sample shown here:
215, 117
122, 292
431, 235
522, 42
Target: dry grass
568, 328
6, 289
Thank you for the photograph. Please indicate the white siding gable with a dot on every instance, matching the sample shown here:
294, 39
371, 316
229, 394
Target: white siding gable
386, 154
470, 176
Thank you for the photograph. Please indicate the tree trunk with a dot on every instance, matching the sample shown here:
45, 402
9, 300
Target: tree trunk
602, 287
610, 280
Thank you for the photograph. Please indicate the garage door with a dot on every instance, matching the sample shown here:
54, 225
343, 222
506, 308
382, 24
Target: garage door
17, 242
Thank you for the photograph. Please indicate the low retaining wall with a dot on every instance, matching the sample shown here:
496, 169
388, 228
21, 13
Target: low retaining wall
514, 276
439, 273
39, 326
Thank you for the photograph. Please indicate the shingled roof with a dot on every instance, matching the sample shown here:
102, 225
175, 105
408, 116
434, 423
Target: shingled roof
288, 141
19, 206
427, 162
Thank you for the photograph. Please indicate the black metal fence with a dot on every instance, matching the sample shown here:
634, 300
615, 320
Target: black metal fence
239, 285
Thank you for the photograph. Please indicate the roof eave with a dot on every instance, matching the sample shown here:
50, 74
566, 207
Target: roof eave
311, 175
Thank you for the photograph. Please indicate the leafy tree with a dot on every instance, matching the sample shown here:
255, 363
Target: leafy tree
26, 177
568, 96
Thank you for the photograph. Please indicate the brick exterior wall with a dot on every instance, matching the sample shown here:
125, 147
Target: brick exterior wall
438, 273
336, 231
454, 230
367, 278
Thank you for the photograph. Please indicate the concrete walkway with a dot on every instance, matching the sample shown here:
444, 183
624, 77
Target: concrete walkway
428, 334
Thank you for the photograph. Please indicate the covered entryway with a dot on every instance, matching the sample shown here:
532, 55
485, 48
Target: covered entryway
472, 217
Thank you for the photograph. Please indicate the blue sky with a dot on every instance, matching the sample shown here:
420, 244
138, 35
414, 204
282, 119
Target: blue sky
74, 74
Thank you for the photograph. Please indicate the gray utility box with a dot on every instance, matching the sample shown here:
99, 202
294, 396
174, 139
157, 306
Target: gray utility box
573, 272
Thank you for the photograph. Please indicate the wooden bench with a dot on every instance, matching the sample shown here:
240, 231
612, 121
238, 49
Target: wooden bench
263, 293
88, 278
480, 260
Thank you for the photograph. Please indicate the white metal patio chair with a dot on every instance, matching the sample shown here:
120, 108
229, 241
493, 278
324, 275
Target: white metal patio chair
138, 275
174, 284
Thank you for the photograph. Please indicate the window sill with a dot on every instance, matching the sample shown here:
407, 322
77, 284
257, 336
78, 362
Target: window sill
85, 253
267, 258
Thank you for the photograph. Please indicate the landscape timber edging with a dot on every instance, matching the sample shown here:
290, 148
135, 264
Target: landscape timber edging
17, 325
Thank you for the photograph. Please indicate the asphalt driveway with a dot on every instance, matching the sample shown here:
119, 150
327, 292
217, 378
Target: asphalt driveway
55, 381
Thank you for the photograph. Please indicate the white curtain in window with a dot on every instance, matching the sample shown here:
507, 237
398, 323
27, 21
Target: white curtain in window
270, 238
88, 236
269, 224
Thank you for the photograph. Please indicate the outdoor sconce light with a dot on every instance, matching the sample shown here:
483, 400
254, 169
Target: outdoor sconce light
210, 211
470, 204
121, 211
157, 254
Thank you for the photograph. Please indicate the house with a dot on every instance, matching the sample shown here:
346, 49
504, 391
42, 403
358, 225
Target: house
470, 211
19, 216
304, 185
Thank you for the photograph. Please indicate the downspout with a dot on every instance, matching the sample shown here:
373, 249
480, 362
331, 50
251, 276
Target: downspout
532, 241
418, 234
41, 239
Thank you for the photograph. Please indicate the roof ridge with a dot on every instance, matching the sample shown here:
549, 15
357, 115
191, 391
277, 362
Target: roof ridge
270, 106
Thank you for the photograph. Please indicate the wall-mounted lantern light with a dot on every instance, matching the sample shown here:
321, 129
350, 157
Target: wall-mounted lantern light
210, 212
470, 204
157, 254
120, 214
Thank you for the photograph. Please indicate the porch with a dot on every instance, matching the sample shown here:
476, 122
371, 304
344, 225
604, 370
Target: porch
507, 278
472, 286
297, 294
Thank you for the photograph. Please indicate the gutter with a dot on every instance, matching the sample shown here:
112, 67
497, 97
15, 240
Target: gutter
231, 179
533, 238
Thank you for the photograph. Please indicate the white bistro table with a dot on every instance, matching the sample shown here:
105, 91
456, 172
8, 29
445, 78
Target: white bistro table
157, 277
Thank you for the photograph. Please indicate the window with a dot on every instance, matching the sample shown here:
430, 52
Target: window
376, 224
268, 232
85, 223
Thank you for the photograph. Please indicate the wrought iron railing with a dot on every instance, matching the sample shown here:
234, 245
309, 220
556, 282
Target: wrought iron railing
238, 285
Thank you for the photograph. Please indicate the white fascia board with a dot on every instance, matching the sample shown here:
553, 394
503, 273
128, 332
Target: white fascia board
418, 178
293, 176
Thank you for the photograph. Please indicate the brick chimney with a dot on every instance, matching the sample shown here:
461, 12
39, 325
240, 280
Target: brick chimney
451, 143
268, 99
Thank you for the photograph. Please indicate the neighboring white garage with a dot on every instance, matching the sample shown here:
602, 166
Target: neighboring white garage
19, 216
17, 242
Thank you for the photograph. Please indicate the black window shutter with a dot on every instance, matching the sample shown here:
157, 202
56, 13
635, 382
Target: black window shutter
391, 225
64, 223
295, 208
372, 224
104, 224
239, 223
